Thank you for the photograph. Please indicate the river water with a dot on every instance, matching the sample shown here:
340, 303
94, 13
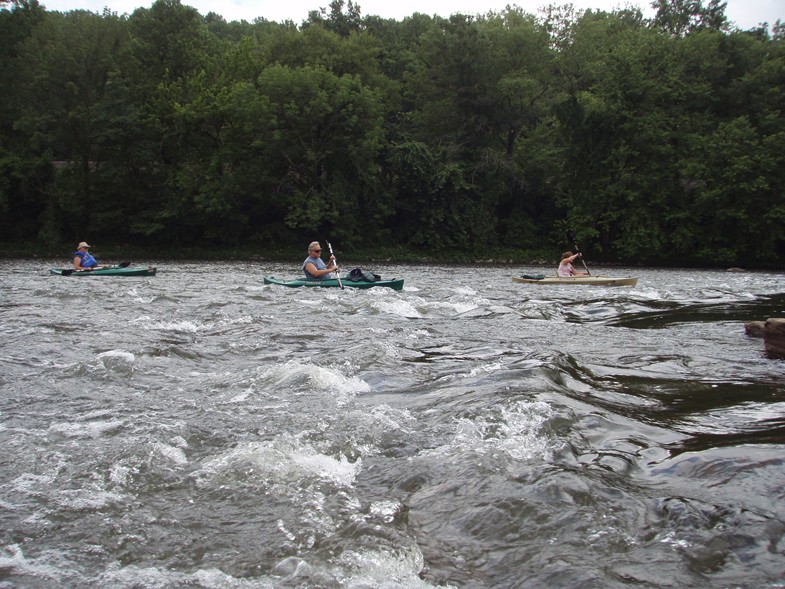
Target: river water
199, 429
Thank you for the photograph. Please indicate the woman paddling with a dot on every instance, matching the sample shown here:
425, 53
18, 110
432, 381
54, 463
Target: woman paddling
565, 266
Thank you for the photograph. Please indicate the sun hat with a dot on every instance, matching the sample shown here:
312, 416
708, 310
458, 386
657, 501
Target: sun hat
83, 244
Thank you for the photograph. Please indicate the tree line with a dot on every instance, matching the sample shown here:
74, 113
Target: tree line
656, 141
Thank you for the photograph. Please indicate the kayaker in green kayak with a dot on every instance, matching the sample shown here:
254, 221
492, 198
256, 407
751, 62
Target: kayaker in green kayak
314, 267
83, 260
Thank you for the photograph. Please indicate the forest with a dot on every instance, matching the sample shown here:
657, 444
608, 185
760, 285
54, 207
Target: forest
654, 141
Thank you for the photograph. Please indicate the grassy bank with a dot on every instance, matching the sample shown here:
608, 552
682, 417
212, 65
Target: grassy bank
117, 252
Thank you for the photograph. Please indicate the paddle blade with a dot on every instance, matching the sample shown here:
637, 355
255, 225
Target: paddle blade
573, 241
571, 237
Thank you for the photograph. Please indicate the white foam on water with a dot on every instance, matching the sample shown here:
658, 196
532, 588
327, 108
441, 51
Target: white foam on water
13, 559
319, 378
142, 298
521, 436
385, 510
388, 350
367, 570
451, 308
311, 302
465, 290
241, 320
116, 360
515, 432
120, 475
179, 442
363, 569
122, 354
232, 319
464, 307
341, 472
179, 326
93, 430
384, 418
134, 577
486, 369
399, 569
170, 453
86, 499
283, 460
648, 293
397, 307
240, 397
32, 484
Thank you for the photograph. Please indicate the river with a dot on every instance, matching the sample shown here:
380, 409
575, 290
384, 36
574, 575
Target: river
200, 429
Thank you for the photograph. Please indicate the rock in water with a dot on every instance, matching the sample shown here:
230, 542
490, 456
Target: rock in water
774, 337
754, 328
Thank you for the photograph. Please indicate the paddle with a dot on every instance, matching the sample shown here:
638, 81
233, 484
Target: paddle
571, 237
337, 274
69, 271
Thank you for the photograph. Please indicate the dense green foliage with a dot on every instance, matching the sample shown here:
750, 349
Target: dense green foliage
658, 141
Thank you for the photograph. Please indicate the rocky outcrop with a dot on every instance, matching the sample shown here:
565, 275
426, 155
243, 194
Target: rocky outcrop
773, 333
754, 328
774, 337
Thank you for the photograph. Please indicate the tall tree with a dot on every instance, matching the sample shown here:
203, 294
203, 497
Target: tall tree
618, 177
21, 174
71, 59
681, 17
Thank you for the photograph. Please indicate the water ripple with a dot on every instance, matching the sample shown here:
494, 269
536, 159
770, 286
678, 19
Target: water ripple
202, 429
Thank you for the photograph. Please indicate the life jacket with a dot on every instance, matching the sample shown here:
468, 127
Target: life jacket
86, 261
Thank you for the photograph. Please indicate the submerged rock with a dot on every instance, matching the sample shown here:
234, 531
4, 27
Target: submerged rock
773, 333
754, 328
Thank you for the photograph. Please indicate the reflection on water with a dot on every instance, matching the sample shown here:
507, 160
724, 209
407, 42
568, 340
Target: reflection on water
655, 316
200, 429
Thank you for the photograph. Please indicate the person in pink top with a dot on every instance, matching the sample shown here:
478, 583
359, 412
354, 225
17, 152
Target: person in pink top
565, 266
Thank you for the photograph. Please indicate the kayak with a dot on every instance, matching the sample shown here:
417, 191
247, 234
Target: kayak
395, 284
117, 271
575, 280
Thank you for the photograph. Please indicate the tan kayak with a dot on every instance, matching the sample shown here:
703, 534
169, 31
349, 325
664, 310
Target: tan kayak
575, 280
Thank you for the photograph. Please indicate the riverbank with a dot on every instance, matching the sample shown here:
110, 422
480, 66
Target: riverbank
396, 255
114, 253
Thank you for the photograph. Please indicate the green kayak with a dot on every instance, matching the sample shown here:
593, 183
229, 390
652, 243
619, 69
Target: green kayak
113, 271
395, 284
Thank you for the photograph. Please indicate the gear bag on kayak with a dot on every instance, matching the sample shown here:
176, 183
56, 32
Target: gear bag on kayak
359, 275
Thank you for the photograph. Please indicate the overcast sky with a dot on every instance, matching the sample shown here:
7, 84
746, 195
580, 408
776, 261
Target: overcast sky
745, 14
